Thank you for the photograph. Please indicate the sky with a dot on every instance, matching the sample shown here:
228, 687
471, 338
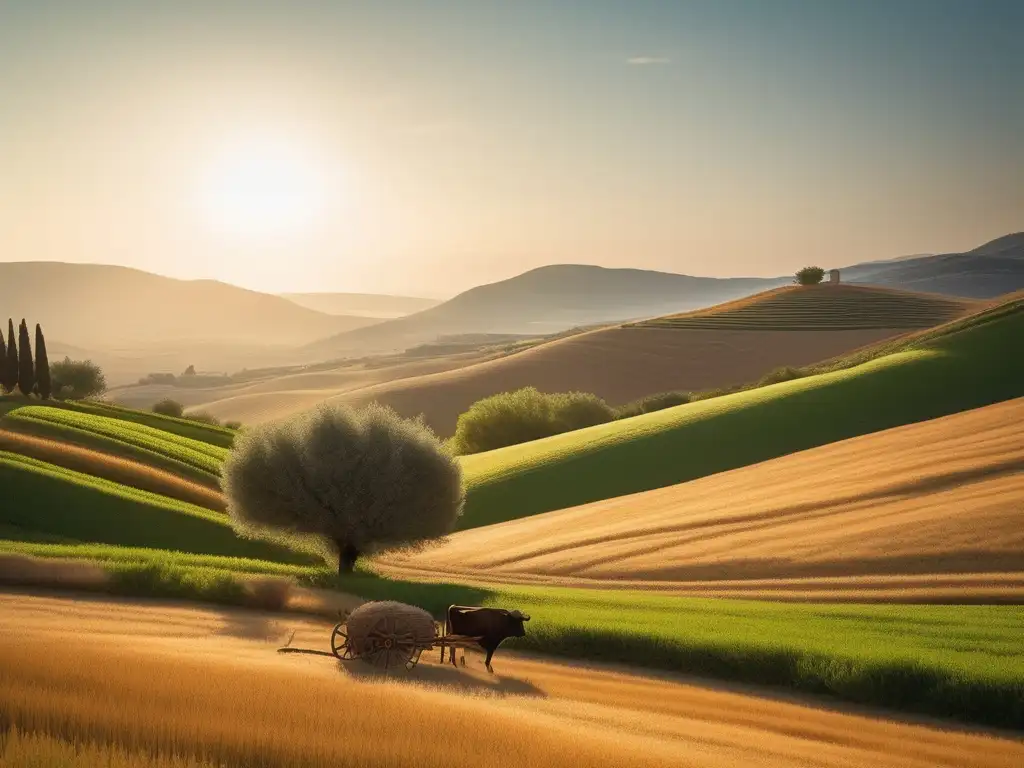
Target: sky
423, 147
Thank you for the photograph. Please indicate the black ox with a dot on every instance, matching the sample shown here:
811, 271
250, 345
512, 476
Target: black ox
490, 625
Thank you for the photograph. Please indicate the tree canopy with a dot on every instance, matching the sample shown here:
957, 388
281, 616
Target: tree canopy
810, 275
364, 481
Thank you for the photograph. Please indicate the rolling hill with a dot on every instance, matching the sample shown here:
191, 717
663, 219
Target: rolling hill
373, 305
136, 319
990, 270
546, 300
966, 364
931, 509
726, 345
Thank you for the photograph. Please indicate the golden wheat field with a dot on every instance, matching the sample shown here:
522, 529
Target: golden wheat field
932, 510
616, 364
201, 684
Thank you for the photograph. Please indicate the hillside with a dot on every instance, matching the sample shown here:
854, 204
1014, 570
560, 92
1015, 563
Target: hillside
726, 345
547, 300
990, 270
926, 507
278, 396
822, 308
103, 307
967, 364
373, 305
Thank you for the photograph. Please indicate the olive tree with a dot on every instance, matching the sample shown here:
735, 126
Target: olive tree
363, 481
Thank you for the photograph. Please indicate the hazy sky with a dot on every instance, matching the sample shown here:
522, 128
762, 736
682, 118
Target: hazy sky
423, 147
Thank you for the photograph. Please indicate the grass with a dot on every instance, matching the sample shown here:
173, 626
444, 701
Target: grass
112, 467
108, 445
232, 714
964, 662
213, 434
820, 308
193, 453
971, 364
52, 500
41, 751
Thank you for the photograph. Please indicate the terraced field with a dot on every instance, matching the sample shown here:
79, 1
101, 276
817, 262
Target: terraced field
968, 364
136, 474
43, 498
193, 453
822, 308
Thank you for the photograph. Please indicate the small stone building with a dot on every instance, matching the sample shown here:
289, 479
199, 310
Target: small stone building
833, 277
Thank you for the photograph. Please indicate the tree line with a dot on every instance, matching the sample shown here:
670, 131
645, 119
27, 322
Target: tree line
18, 369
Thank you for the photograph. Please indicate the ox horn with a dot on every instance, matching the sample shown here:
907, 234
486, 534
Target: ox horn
520, 615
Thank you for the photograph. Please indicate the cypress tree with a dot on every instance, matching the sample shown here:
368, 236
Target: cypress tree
26, 371
3, 360
42, 365
10, 368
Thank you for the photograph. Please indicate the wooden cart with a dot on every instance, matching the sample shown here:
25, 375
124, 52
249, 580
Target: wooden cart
388, 647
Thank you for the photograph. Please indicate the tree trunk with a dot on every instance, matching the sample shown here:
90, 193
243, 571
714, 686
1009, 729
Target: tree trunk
347, 556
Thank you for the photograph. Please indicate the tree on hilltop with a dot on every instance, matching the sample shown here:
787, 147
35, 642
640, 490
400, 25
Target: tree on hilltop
363, 481
10, 366
810, 275
26, 368
43, 383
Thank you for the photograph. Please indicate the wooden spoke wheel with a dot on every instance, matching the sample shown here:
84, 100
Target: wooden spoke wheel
339, 643
388, 648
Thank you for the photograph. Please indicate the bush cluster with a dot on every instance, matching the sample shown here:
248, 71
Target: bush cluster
523, 415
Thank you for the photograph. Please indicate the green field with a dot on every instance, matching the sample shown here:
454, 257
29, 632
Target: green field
45, 499
820, 308
978, 364
196, 454
213, 434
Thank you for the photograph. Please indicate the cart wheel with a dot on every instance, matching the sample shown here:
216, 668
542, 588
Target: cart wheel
339, 643
389, 649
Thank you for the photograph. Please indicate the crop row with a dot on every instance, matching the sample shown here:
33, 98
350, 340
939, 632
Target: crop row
192, 452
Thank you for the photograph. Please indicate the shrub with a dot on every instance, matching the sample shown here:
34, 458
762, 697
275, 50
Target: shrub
169, 407
362, 481
77, 379
652, 403
810, 275
524, 415
781, 374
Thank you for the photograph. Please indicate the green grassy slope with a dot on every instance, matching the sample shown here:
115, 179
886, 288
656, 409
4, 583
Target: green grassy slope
41, 498
974, 363
821, 307
110, 446
193, 453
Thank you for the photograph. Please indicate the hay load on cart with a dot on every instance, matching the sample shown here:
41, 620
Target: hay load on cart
385, 633
391, 635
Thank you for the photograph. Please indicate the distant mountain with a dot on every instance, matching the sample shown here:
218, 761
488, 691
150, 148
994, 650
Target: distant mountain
991, 270
547, 300
98, 306
362, 304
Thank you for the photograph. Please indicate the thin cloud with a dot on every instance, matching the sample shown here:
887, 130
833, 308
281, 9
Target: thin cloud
646, 60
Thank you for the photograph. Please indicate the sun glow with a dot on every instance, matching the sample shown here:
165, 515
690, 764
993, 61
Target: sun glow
263, 189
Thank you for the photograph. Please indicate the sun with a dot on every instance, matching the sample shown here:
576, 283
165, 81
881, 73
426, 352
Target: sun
262, 189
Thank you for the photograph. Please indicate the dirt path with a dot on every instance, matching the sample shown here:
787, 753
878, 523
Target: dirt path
697, 725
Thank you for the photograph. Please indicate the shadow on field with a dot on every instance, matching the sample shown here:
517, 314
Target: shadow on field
444, 677
253, 626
